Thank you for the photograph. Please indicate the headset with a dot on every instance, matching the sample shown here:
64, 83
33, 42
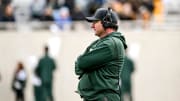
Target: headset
107, 21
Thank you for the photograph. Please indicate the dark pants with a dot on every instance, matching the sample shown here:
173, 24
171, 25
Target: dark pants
47, 92
38, 93
19, 95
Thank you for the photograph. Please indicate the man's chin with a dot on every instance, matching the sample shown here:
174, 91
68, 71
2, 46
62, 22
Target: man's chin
96, 34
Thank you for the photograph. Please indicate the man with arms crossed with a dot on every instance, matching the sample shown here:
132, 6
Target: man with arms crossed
99, 67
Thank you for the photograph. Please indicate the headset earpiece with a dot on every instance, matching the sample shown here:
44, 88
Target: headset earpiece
107, 20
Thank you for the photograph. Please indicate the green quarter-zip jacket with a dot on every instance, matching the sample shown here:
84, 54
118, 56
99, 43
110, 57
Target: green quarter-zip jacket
100, 65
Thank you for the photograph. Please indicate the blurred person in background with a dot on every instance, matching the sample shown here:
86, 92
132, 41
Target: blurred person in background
37, 9
149, 4
6, 13
128, 13
79, 11
100, 65
70, 4
62, 18
22, 13
44, 71
78, 14
126, 9
19, 82
126, 75
146, 12
49, 7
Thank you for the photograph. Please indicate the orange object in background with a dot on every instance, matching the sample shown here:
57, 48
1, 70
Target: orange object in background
158, 7
158, 10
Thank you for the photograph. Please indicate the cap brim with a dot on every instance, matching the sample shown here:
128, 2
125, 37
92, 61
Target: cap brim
91, 19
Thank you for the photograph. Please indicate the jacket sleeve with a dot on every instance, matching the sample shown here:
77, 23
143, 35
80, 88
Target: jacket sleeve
95, 58
78, 71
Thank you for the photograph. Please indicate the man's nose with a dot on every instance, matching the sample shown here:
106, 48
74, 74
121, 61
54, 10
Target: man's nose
92, 25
